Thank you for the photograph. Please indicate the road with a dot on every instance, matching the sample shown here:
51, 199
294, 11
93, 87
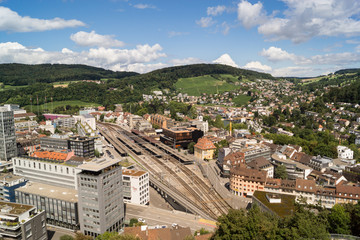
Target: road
156, 216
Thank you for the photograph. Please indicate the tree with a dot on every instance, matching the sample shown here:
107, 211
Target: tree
66, 237
81, 236
97, 153
202, 231
102, 116
5, 170
190, 147
218, 122
339, 220
280, 172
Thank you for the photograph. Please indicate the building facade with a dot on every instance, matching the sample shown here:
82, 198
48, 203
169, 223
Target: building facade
19, 221
101, 206
244, 181
82, 146
204, 149
8, 184
54, 172
8, 148
60, 204
136, 186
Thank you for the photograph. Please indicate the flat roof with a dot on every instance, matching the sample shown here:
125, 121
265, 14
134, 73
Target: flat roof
50, 191
98, 164
14, 208
131, 172
283, 209
8, 177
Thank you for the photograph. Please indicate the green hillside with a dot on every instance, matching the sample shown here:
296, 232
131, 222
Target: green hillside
209, 84
21, 74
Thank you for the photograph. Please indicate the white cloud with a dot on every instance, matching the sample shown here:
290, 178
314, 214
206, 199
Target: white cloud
275, 54
175, 34
144, 6
294, 72
258, 66
93, 39
225, 59
214, 11
226, 28
205, 22
309, 18
12, 21
249, 14
108, 58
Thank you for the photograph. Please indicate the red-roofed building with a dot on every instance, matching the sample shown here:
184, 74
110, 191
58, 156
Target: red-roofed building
204, 149
60, 156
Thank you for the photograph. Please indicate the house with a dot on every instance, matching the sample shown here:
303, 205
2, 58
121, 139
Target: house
263, 164
244, 182
345, 152
204, 149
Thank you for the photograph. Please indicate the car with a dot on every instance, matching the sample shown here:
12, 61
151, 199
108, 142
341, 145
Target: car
141, 220
174, 225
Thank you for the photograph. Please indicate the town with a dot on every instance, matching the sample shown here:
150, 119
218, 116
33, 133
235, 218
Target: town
77, 172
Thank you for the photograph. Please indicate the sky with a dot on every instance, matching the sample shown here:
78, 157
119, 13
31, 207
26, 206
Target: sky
300, 38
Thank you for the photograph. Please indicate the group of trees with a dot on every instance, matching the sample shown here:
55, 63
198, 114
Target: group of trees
307, 222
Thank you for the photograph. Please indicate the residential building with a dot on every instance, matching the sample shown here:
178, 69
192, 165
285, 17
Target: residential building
135, 186
8, 148
162, 121
20, 221
55, 172
244, 182
345, 152
60, 204
67, 122
257, 150
25, 125
142, 125
294, 169
101, 206
321, 163
8, 184
82, 146
204, 149
263, 164
231, 160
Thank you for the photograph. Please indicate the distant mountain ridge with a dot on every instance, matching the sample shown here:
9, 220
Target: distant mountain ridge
16, 74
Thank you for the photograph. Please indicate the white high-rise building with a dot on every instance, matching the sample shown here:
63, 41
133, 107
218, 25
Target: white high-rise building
136, 186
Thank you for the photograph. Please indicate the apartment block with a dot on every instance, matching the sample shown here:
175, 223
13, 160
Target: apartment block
136, 186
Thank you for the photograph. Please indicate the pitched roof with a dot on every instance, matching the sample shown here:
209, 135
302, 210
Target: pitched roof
258, 163
249, 174
205, 144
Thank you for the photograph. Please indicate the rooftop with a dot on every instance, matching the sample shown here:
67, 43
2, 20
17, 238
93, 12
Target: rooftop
134, 173
283, 209
14, 208
204, 143
45, 190
98, 164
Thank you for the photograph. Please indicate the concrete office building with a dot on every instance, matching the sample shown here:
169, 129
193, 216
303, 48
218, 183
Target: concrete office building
55, 172
55, 143
60, 204
101, 206
82, 146
136, 186
19, 221
8, 183
8, 148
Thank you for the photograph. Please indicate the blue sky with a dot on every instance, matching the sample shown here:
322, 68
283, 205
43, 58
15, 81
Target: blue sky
281, 37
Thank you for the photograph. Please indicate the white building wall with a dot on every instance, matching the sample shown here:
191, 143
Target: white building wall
139, 186
46, 172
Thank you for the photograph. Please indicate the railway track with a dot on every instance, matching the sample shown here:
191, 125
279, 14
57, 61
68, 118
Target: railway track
205, 196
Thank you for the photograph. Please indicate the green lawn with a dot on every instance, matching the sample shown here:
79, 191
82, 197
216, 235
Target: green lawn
195, 86
241, 100
9, 87
52, 105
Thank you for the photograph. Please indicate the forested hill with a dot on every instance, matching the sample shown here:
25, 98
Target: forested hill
21, 74
350, 70
166, 78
